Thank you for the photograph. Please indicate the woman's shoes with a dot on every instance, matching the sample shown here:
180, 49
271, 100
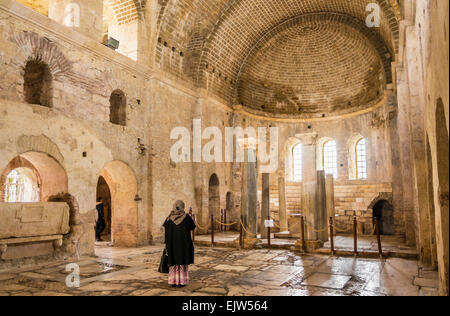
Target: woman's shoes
174, 285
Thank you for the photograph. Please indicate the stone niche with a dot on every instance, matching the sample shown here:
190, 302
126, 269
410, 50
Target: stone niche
32, 229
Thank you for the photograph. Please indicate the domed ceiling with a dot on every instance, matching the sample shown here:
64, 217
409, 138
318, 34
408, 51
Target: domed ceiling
281, 57
314, 66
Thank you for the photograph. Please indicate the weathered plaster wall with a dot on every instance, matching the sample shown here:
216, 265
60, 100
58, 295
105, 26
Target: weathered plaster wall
84, 75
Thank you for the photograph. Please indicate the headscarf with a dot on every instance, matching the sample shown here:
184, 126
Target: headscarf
177, 215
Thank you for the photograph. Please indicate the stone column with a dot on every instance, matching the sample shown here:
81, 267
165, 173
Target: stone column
265, 205
85, 16
282, 202
330, 195
309, 181
321, 221
313, 194
249, 200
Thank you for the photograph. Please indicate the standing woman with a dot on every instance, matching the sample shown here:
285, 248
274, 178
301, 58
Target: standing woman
179, 245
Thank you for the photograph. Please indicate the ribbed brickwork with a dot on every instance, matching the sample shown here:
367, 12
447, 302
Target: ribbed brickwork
126, 11
208, 42
316, 63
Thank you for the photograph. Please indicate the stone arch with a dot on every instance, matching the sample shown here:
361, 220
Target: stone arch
122, 183
118, 108
214, 196
52, 178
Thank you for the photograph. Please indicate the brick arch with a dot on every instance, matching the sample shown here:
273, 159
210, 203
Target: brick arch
33, 47
194, 26
248, 85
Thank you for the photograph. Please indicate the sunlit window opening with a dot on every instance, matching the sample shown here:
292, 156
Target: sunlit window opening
297, 161
330, 158
21, 186
361, 159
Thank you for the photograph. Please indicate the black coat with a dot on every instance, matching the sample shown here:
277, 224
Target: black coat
179, 245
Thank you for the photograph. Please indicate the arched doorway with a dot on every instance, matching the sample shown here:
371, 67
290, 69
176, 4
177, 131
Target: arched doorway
32, 177
384, 211
104, 194
214, 196
122, 186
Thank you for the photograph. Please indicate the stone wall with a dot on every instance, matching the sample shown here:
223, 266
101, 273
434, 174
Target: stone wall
76, 131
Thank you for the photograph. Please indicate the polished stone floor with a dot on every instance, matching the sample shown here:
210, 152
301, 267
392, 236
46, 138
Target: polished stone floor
219, 271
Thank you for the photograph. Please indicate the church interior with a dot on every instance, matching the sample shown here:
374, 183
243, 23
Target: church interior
350, 97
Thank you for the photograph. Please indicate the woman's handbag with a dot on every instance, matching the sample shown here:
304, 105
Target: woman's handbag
164, 265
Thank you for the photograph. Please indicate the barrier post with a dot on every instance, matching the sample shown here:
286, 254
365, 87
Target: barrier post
377, 228
302, 226
221, 221
268, 230
355, 234
212, 230
331, 236
225, 219
241, 233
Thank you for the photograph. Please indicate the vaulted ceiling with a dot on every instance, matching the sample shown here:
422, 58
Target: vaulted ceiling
280, 56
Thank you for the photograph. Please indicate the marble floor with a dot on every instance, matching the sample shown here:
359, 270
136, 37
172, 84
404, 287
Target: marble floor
393, 246
218, 271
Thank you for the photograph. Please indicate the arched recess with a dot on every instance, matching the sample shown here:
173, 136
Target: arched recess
214, 196
382, 208
291, 143
124, 209
118, 108
37, 85
51, 176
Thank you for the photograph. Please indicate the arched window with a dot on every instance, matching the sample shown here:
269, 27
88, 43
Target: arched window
21, 186
37, 83
297, 162
330, 158
361, 159
118, 108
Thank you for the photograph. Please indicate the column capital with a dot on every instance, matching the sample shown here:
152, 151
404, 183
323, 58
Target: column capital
307, 138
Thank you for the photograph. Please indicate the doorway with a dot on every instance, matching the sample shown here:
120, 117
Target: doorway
104, 193
384, 211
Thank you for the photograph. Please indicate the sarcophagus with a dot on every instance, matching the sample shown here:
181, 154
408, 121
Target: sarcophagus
20, 220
